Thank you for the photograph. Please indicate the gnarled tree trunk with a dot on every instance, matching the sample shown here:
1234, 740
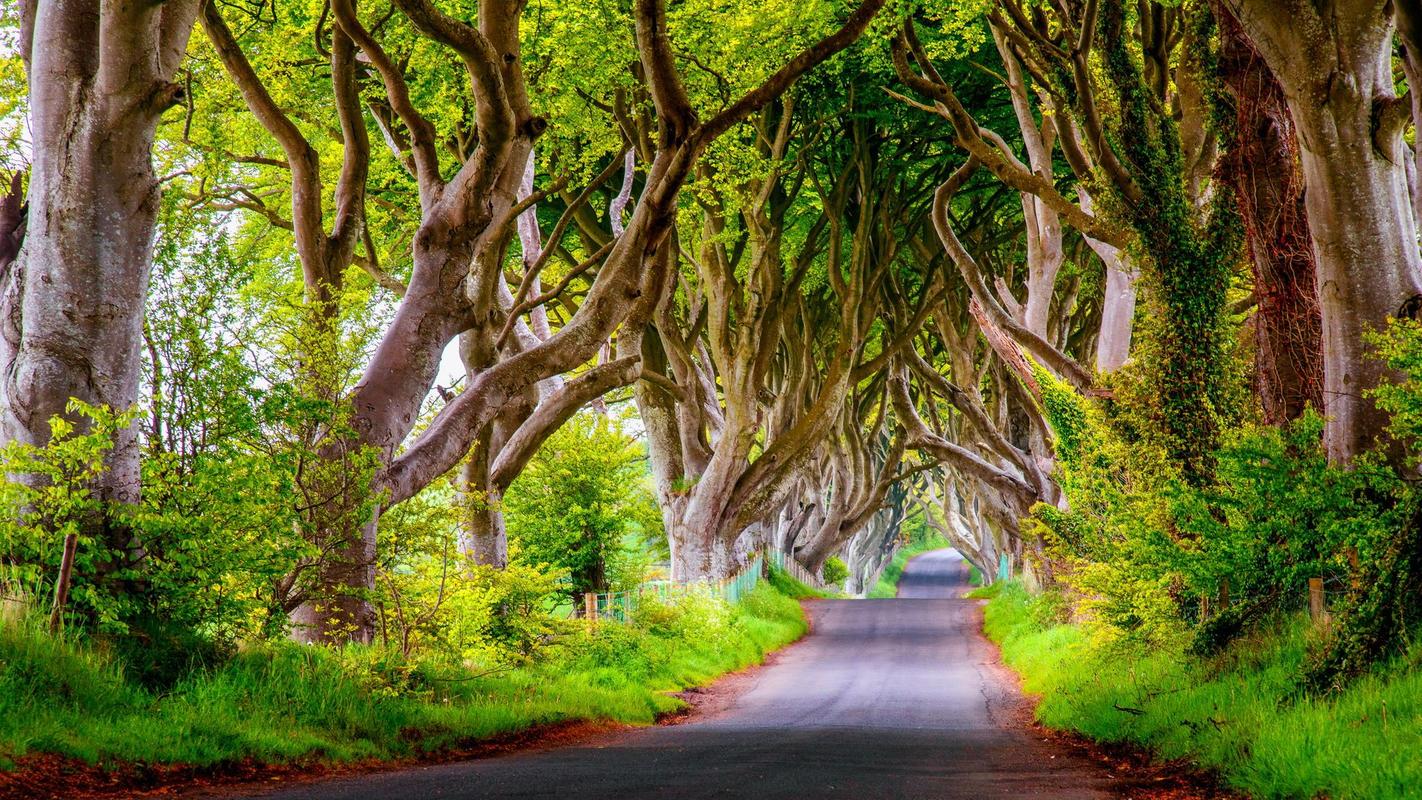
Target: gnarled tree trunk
1263, 166
1336, 72
100, 78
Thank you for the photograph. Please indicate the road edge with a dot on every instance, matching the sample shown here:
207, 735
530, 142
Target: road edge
44, 776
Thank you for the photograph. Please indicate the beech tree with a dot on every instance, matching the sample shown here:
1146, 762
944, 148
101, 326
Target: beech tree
1158, 178
100, 79
466, 219
1263, 169
1335, 69
759, 366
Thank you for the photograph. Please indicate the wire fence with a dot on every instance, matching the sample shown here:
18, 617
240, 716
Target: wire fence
619, 606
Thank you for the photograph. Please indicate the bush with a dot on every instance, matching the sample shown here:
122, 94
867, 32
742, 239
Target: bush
834, 572
576, 502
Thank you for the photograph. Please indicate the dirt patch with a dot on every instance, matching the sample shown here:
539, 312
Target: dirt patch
1139, 775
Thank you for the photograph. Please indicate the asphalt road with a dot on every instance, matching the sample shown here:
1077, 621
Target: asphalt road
885, 699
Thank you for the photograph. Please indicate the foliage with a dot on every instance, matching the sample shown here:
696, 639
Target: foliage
835, 572
1384, 603
46, 497
1142, 543
574, 503
1400, 347
431, 598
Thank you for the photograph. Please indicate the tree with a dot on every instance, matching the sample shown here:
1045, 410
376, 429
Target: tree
1262, 167
1335, 68
575, 502
100, 79
1156, 171
758, 364
458, 240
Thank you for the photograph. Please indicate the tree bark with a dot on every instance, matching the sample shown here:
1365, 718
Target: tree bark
1263, 166
1336, 74
100, 79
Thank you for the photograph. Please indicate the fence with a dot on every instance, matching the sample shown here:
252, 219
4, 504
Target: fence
791, 566
1318, 589
621, 605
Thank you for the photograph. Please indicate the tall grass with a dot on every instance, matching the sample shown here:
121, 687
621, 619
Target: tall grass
888, 583
1241, 714
283, 702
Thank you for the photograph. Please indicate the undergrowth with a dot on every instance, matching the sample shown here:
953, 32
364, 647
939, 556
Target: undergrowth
1239, 713
283, 702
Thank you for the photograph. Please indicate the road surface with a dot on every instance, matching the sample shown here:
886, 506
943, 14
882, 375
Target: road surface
885, 699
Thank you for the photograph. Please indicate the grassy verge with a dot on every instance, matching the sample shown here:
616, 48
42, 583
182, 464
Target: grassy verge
1240, 714
285, 703
888, 584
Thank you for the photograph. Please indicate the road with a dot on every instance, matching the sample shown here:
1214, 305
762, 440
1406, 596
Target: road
884, 699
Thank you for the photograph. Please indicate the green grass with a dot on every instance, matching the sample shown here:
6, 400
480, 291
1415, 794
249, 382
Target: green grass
284, 703
888, 584
1240, 714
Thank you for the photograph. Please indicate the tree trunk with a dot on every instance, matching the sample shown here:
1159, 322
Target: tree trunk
697, 553
1337, 78
100, 79
1368, 266
484, 537
341, 611
1262, 164
1118, 314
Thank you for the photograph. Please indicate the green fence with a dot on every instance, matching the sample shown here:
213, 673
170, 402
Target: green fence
791, 566
620, 605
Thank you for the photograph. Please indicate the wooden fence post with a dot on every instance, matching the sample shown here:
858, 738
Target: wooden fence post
61, 587
1224, 593
1315, 599
590, 607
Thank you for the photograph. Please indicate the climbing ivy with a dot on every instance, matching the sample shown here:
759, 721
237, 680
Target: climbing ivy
1188, 260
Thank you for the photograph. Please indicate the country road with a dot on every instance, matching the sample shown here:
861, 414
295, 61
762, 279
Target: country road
885, 699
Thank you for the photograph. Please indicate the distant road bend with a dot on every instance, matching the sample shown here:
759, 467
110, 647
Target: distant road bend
885, 699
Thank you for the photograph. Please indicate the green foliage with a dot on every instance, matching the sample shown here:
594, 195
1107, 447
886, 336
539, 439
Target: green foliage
432, 599
47, 496
577, 500
1141, 548
1281, 514
1239, 713
1191, 384
1400, 347
834, 572
786, 584
1384, 604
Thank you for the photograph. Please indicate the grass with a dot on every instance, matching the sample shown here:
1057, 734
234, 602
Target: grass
1240, 714
888, 584
284, 703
